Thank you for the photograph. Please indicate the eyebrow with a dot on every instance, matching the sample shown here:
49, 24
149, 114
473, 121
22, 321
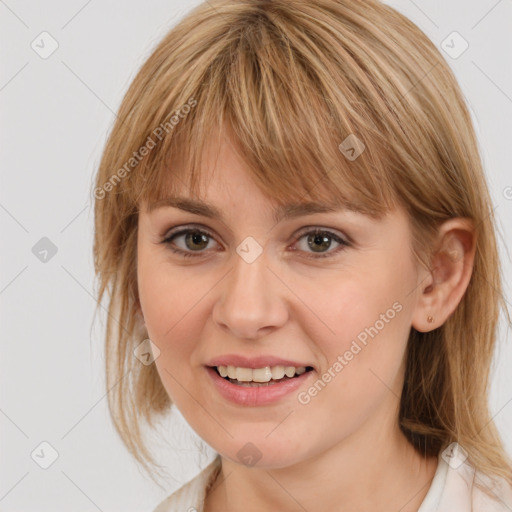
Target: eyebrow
208, 210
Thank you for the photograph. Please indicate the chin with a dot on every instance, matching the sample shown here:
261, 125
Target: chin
264, 454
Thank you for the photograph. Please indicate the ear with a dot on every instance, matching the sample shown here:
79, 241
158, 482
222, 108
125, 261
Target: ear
444, 284
139, 315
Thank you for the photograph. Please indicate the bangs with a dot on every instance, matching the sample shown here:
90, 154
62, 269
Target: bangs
294, 119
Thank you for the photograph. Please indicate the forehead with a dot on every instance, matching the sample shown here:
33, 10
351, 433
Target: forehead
228, 179
209, 209
223, 174
224, 170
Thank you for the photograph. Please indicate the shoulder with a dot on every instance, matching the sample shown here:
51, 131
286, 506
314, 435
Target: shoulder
467, 489
491, 495
190, 497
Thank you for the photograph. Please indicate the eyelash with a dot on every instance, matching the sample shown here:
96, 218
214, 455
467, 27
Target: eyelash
315, 231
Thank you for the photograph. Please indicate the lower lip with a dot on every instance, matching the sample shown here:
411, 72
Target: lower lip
254, 396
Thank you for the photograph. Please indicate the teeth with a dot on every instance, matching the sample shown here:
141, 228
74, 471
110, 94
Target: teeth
277, 372
243, 374
289, 371
260, 374
265, 374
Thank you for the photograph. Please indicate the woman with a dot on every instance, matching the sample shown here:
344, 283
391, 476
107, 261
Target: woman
294, 228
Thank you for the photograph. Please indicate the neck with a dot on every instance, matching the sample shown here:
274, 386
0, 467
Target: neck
385, 474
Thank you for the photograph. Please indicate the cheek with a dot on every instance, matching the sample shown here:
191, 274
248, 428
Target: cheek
357, 308
175, 305
167, 295
363, 362
171, 313
165, 301
371, 316
365, 314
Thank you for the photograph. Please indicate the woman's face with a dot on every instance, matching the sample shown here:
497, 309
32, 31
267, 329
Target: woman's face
340, 302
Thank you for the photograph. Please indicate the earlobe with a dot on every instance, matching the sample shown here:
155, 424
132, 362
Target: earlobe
446, 282
140, 315
423, 320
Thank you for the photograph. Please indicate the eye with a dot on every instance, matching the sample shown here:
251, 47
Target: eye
193, 240
320, 241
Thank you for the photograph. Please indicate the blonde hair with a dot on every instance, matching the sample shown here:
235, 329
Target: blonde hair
291, 80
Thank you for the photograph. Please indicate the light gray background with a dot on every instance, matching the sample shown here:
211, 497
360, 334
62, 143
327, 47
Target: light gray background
56, 113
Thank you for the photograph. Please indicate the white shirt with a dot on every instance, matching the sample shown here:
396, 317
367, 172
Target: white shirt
453, 489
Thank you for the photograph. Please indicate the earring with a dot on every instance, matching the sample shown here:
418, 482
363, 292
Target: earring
430, 319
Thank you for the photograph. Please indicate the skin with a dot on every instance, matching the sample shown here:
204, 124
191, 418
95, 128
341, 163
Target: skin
343, 450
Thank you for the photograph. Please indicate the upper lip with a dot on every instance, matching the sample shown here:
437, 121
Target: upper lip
253, 362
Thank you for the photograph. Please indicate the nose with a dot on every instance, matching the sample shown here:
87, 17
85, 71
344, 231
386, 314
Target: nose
251, 301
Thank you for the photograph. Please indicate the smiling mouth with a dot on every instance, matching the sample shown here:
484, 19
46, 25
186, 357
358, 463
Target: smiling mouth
259, 377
